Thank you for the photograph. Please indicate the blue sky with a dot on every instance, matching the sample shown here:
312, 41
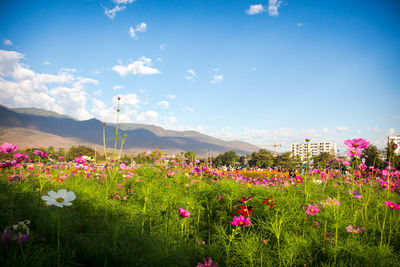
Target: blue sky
257, 71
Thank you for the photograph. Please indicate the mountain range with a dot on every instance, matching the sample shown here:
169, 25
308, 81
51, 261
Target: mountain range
33, 127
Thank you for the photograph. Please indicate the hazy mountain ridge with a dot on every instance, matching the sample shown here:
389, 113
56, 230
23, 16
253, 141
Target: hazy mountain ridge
140, 137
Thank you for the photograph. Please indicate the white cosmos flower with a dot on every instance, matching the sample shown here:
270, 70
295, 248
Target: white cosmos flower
317, 181
60, 199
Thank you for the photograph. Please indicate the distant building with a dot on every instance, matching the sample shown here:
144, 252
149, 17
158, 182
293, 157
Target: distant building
314, 149
396, 140
383, 154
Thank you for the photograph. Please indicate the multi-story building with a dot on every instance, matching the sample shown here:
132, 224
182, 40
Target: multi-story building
313, 149
396, 140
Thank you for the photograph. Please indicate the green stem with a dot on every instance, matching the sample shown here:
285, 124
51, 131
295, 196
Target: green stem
58, 238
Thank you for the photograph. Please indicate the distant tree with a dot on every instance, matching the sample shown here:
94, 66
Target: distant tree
371, 156
323, 159
286, 160
392, 157
79, 151
242, 160
190, 155
263, 158
51, 150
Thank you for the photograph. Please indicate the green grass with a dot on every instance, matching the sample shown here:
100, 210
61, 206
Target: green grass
146, 230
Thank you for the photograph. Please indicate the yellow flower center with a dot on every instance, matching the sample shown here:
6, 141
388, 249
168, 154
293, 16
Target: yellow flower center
240, 223
355, 144
60, 200
245, 210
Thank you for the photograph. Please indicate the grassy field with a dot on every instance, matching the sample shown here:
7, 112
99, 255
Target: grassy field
170, 213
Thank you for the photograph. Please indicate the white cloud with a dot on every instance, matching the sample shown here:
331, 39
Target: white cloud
63, 93
273, 6
119, 6
162, 47
7, 42
255, 9
217, 78
150, 116
46, 62
117, 87
299, 24
163, 104
139, 67
171, 96
142, 27
112, 12
190, 74
123, 2
129, 99
396, 117
188, 109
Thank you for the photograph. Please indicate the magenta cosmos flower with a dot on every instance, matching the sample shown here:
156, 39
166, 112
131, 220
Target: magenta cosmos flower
312, 210
241, 221
207, 263
184, 213
8, 147
352, 152
40, 153
392, 205
355, 194
357, 143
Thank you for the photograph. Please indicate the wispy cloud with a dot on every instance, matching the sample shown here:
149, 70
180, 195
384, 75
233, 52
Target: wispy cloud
120, 5
190, 74
162, 47
163, 104
141, 27
188, 109
46, 62
217, 78
299, 24
7, 42
273, 6
396, 117
139, 67
171, 96
117, 87
255, 9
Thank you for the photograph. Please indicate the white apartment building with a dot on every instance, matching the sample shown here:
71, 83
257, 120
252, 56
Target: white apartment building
314, 149
396, 140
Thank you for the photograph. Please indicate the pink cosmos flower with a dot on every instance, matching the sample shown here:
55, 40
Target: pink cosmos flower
355, 194
299, 179
184, 213
207, 263
7, 147
356, 230
358, 143
312, 210
324, 176
148, 153
20, 157
392, 205
80, 160
241, 221
346, 163
351, 152
40, 153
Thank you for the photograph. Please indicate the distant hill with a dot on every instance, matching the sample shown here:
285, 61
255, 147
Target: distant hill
38, 127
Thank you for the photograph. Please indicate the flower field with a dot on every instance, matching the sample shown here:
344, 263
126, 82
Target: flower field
179, 213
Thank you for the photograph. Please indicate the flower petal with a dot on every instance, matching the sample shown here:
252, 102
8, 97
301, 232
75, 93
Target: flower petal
62, 193
69, 196
67, 204
53, 194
